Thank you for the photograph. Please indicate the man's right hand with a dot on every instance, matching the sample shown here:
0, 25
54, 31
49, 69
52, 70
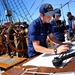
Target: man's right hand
62, 48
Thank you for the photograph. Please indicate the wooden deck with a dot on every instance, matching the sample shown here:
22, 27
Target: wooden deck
7, 62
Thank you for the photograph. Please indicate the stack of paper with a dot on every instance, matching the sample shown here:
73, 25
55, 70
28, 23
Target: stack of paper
45, 60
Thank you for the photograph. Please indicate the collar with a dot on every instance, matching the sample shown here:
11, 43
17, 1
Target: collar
40, 21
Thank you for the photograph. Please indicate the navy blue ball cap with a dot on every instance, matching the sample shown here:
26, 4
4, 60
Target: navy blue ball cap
46, 9
57, 12
69, 13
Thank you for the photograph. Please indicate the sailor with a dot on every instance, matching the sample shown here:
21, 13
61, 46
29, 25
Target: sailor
38, 31
22, 42
70, 20
59, 29
25, 27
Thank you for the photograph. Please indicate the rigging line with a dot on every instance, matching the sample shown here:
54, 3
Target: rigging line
68, 7
62, 13
0, 17
65, 4
32, 5
72, 1
27, 10
7, 8
5, 4
18, 9
37, 8
23, 11
3, 7
12, 8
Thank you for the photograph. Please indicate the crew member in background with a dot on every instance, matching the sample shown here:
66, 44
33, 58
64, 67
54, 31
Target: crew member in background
58, 27
73, 28
38, 31
70, 20
22, 45
25, 27
6, 25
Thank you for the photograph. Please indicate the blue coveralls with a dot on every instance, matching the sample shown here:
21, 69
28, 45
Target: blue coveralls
58, 30
37, 31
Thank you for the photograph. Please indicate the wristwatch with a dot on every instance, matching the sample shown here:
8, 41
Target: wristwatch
55, 50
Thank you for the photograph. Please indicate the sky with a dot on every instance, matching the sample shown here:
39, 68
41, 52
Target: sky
33, 7
55, 4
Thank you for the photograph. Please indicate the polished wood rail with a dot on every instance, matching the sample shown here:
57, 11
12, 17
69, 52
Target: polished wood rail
19, 69
6, 61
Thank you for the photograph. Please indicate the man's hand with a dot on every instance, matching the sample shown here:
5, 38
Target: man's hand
62, 48
67, 43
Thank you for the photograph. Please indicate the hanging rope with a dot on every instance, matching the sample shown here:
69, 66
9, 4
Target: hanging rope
65, 4
62, 9
23, 11
11, 10
5, 4
7, 9
32, 5
62, 12
26, 10
68, 7
12, 7
18, 10
37, 7
3, 8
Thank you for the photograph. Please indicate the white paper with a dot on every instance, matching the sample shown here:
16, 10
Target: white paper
45, 60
